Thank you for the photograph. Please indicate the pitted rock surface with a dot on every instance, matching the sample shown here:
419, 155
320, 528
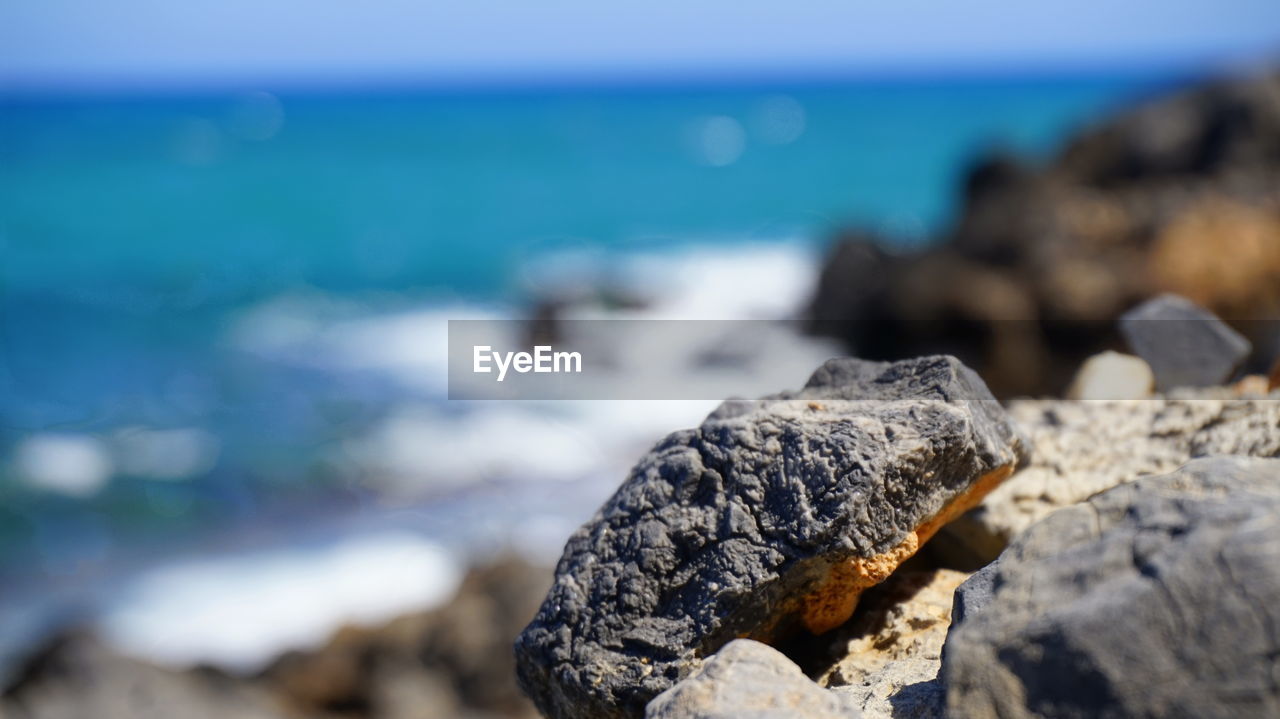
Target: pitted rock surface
1082, 448
1159, 598
890, 652
769, 518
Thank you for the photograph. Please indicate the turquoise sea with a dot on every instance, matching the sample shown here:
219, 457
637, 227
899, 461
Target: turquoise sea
213, 307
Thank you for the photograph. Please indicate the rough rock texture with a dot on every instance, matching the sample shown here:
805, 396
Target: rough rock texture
1185, 344
1082, 448
1111, 375
889, 656
1181, 194
749, 680
770, 517
76, 677
1159, 598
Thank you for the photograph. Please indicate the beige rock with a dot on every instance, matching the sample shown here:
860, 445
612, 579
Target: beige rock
749, 679
1112, 375
1082, 448
1254, 385
891, 653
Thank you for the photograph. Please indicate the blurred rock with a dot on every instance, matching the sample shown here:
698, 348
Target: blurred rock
76, 677
1273, 381
1082, 448
1111, 375
771, 517
1252, 386
1185, 344
749, 679
888, 657
1180, 195
453, 661
1159, 598
1221, 253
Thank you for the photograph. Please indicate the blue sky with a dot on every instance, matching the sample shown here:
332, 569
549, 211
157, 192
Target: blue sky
69, 43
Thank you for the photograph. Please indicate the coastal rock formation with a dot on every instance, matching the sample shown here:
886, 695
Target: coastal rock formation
769, 518
1159, 598
889, 656
76, 676
1184, 344
451, 662
1082, 448
1179, 195
749, 679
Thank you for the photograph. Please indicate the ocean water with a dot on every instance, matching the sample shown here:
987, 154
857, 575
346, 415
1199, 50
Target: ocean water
222, 317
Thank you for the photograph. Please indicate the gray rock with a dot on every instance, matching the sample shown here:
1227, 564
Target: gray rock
750, 680
1160, 598
1185, 344
769, 518
1082, 448
973, 595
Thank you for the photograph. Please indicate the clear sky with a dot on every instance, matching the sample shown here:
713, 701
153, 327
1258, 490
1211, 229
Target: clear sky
63, 43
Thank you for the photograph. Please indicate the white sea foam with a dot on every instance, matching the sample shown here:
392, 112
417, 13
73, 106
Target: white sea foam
407, 345
241, 611
425, 447
70, 464
165, 454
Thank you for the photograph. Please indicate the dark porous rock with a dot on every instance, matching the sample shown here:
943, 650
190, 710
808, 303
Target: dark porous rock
1185, 344
1159, 598
769, 518
750, 679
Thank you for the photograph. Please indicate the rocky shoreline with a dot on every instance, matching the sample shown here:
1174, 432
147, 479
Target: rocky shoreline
1179, 195
723, 539
903, 537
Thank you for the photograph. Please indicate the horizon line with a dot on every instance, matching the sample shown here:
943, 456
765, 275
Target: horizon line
660, 79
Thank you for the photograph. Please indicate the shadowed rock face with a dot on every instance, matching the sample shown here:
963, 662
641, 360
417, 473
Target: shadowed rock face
769, 518
1159, 598
888, 656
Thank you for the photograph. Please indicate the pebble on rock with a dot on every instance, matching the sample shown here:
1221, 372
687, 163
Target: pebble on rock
1112, 375
1185, 344
750, 679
